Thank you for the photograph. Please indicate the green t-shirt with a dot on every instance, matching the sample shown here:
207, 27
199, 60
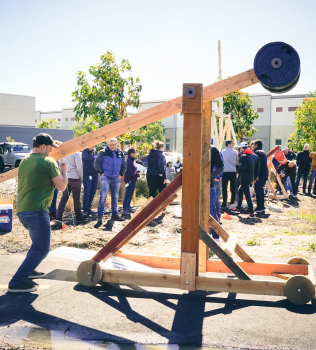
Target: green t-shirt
35, 184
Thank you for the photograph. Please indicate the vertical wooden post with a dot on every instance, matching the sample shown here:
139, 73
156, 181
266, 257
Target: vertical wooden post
205, 185
192, 102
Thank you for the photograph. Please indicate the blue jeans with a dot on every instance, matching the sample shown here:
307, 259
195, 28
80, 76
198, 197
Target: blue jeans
52, 208
213, 210
217, 186
37, 222
299, 175
129, 195
288, 185
90, 184
313, 175
114, 185
259, 185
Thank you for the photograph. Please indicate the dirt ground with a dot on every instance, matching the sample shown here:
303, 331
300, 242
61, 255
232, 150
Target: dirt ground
274, 234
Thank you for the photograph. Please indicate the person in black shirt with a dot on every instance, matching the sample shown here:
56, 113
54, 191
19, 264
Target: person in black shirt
304, 164
287, 169
216, 160
263, 175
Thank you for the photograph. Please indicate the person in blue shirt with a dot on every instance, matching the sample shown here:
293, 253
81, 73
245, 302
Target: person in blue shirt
111, 164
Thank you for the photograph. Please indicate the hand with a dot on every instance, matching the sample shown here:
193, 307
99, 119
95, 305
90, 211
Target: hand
63, 168
216, 180
257, 179
253, 181
282, 175
119, 176
164, 181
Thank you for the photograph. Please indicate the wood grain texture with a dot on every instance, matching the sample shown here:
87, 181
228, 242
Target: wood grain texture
225, 236
148, 116
227, 260
89, 273
205, 184
188, 268
299, 290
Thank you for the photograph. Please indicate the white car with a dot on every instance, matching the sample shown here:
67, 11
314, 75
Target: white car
11, 153
170, 156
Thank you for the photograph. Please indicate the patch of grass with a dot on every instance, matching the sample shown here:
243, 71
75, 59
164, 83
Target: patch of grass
252, 243
294, 233
311, 247
278, 242
310, 216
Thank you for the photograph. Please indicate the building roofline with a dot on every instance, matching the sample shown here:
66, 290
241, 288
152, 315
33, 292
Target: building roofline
2, 93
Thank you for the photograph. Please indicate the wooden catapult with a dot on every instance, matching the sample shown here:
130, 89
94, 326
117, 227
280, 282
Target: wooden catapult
295, 280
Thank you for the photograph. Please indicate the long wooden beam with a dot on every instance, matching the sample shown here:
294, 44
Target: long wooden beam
216, 265
210, 92
214, 284
163, 196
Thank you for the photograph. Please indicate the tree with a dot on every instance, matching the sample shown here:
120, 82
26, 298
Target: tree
305, 124
8, 139
239, 105
48, 124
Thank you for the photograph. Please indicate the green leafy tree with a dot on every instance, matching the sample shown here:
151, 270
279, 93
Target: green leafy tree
48, 124
305, 124
8, 139
239, 105
83, 126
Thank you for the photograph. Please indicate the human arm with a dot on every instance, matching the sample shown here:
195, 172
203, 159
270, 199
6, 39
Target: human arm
217, 161
97, 164
79, 168
61, 181
161, 164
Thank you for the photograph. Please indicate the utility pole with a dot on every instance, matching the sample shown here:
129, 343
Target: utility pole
220, 99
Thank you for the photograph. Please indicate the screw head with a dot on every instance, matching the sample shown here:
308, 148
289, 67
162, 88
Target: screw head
187, 283
88, 273
298, 290
82, 144
63, 152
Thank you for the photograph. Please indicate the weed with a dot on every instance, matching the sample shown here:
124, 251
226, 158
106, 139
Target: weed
278, 242
312, 247
253, 243
309, 216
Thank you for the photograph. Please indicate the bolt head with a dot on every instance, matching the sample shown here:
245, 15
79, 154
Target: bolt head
187, 283
88, 273
298, 290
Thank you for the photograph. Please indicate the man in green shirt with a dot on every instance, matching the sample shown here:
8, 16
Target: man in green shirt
38, 174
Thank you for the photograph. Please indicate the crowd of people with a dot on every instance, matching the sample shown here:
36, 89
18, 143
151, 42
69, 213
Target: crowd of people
40, 178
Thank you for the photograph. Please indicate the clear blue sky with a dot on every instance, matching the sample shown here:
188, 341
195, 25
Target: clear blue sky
44, 43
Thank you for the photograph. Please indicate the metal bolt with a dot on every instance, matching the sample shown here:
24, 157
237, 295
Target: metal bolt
103, 137
82, 144
187, 283
63, 152
190, 92
298, 290
88, 273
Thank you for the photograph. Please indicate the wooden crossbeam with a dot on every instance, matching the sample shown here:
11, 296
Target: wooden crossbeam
225, 236
227, 260
148, 116
271, 165
281, 275
163, 196
214, 284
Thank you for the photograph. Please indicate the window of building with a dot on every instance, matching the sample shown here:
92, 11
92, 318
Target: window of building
259, 110
292, 109
73, 119
278, 142
279, 109
59, 119
66, 119
167, 144
35, 120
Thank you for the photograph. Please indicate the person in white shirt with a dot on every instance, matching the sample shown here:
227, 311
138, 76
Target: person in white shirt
75, 175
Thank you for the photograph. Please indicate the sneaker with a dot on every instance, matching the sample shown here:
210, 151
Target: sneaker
52, 215
259, 210
236, 211
251, 216
131, 210
81, 219
223, 206
36, 274
98, 224
23, 287
116, 218
85, 214
91, 212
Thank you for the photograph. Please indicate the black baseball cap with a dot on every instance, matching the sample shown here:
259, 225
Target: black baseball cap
45, 139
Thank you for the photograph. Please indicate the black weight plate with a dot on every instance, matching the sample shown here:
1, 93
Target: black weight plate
277, 66
286, 89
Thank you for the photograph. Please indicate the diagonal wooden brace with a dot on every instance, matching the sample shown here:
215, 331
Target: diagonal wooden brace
227, 260
163, 196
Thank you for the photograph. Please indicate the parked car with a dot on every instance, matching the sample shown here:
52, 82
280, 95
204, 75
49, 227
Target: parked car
170, 156
11, 153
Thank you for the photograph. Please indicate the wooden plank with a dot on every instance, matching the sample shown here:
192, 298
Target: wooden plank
231, 245
142, 207
164, 195
273, 150
206, 158
278, 177
205, 185
214, 284
224, 235
191, 185
281, 275
148, 116
146, 279
259, 269
228, 285
188, 269
228, 261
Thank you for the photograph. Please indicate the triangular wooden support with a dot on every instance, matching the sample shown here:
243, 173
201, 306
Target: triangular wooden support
226, 259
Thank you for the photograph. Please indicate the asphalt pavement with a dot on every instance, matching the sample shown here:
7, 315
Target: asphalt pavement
129, 314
